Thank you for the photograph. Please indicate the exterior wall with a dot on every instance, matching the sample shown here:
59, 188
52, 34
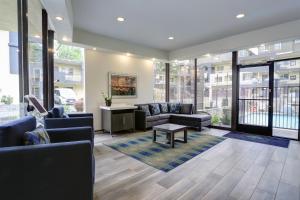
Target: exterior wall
9, 83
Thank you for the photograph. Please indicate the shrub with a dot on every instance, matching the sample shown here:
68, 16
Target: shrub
7, 99
215, 119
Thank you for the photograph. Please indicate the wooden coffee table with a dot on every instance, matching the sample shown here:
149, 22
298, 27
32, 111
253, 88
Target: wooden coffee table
170, 130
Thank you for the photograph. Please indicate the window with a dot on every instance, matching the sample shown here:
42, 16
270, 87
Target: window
270, 51
10, 106
293, 77
35, 46
214, 87
159, 94
182, 82
69, 77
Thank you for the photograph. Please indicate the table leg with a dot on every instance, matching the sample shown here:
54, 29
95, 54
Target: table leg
185, 136
154, 135
172, 139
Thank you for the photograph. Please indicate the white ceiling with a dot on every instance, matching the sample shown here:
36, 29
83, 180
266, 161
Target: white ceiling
191, 22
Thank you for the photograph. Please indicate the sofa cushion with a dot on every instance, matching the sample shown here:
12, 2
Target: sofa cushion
163, 108
11, 134
152, 118
37, 136
174, 108
145, 108
186, 109
164, 116
154, 109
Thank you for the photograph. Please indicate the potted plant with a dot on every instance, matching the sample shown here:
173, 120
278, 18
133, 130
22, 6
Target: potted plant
107, 99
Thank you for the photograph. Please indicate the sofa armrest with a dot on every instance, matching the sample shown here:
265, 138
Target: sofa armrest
71, 134
140, 120
68, 122
80, 115
51, 171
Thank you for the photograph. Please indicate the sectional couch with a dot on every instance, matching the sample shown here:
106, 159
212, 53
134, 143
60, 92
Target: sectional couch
152, 114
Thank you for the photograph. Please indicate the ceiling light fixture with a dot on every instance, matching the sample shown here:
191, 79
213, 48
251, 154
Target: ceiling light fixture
153, 59
94, 48
128, 54
240, 16
58, 18
207, 55
37, 36
65, 39
171, 38
283, 53
120, 19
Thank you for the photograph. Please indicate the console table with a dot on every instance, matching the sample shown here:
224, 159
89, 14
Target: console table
117, 118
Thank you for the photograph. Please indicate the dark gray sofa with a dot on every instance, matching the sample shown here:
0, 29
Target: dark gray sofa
182, 114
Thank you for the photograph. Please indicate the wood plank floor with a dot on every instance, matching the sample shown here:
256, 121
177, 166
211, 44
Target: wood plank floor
233, 169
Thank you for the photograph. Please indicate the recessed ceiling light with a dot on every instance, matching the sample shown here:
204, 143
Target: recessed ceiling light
171, 38
283, 53
153, 59
37, 36
240, 16
94, 48
58, 18
121, 19
128, 54
65, 39
207, 55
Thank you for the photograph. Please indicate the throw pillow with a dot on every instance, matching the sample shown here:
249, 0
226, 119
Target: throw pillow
154, 109
174, 108
164, 108
58, 112
145, 108
37, 136
186, 109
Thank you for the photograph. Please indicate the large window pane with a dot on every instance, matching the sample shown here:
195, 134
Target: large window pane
269, 51
182, 81
159, 82
214, 87
35, 49
10, 107
69, 77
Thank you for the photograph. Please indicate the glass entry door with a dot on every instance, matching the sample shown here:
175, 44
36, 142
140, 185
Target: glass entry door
254, 102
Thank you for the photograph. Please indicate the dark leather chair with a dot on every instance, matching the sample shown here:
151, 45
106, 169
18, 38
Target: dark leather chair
60, 170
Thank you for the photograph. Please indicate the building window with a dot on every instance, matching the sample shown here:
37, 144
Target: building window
159, 94
215, 96
183, 81
293, 77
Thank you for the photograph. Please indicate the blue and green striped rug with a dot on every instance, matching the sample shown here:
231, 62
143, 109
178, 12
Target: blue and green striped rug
161, 156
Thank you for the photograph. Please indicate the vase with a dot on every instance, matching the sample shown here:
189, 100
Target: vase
108, 103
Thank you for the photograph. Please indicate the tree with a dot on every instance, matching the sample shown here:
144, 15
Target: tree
66, 52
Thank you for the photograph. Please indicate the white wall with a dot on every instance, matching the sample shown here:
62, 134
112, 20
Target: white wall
99, 64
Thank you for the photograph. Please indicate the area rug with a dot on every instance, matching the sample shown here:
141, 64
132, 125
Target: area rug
161, 156
275, 141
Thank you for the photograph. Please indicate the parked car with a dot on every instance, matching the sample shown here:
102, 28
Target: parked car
64, 96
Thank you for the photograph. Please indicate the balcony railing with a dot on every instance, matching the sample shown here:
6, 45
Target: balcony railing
66, 78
